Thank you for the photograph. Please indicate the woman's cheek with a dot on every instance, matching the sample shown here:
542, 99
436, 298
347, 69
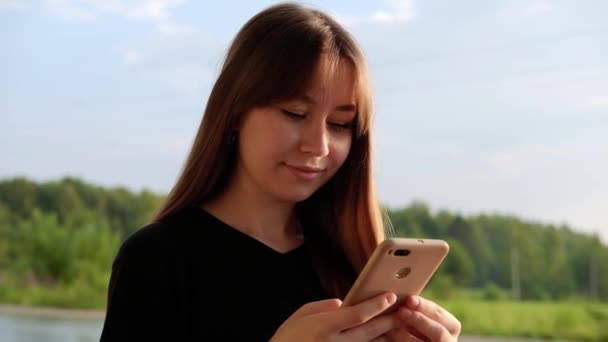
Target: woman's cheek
341, 151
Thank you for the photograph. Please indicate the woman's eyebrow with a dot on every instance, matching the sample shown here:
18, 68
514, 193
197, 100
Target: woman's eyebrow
349, 107
346, 108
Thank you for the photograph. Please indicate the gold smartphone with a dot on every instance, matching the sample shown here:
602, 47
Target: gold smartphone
400, 265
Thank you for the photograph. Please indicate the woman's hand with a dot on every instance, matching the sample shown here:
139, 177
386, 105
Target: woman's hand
423, 320
327, 321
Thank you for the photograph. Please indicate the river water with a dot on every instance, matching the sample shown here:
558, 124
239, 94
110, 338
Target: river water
31, 328
23, 328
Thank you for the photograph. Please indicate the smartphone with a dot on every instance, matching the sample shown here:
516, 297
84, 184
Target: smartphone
399, 265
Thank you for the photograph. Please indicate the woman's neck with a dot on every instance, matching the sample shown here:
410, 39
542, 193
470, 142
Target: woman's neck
247, 209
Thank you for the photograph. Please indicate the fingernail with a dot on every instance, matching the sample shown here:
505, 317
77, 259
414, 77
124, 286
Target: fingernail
391, 298
413, 302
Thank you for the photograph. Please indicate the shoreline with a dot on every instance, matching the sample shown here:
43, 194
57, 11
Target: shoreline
99, 315
49, 312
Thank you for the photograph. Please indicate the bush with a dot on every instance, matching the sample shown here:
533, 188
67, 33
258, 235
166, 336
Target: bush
492, 292
441, 287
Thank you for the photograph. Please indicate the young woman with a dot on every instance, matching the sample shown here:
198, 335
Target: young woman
274, 213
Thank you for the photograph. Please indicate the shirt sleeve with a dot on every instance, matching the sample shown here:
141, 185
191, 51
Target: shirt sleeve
139, 303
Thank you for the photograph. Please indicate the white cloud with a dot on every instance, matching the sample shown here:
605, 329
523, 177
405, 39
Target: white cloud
186, 77
139, 9
169, 29
132, 56
7, 5
397, 11
538, 8
599, 102
521, 161
158, 11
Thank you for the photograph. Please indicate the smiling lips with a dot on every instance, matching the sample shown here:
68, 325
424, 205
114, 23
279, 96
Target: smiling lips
305, 172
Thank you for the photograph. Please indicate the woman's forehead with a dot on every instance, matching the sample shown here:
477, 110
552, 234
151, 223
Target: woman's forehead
337, 83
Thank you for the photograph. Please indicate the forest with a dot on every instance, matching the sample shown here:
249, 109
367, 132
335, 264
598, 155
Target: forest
58, 240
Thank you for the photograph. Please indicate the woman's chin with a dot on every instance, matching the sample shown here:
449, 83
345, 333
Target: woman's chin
296, 195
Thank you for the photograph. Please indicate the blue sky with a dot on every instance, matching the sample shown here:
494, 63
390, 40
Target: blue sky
481, 106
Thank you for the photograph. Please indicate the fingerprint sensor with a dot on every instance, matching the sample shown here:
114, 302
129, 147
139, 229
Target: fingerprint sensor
402, 273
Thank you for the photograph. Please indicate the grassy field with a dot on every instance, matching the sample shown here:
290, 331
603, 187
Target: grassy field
576, 320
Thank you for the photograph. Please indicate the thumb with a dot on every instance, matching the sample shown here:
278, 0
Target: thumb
317, 307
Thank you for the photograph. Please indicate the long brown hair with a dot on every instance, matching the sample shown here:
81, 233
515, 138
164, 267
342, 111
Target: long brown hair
273, 58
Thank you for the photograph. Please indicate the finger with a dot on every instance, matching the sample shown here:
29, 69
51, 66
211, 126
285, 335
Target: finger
352, 316
400, 335
420, 324
372, 329
435, 312
413, 333
383, 338
317, 307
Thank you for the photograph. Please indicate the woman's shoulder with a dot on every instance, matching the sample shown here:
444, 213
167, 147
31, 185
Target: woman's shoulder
162, 238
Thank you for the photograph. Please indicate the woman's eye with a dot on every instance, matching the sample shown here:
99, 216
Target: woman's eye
293, 114
341, 125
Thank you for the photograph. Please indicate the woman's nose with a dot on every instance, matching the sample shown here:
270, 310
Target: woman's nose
315, 140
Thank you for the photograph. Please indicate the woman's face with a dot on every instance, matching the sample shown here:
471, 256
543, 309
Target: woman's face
289, 150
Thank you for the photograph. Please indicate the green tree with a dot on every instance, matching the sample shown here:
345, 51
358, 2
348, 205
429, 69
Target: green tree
472, 239
68, 204
19, 195
458, 265
5, 236
559, 281
45, 248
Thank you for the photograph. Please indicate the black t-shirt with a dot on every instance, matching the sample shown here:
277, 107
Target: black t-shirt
192, 277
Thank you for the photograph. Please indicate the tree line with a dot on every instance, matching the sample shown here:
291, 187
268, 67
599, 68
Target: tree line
60, 237
528, 260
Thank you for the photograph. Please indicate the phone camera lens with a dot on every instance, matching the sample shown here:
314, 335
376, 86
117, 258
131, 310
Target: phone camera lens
401, 252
